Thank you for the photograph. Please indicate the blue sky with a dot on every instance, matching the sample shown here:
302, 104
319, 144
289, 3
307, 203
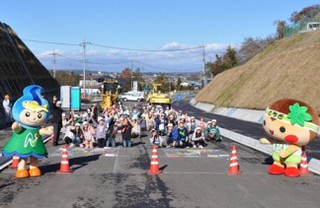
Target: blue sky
142, 24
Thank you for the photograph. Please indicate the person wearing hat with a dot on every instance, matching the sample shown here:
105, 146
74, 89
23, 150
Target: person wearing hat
212, 132
198, 138
161, 125
143, 123
171, 141
156, 139
88, 133
7, 105
78, 135
101, 130
56, 121
180, 134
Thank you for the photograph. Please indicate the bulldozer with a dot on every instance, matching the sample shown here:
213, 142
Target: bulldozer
157, 97
110, 93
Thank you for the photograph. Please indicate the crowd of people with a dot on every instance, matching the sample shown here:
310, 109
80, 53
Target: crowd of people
118, 124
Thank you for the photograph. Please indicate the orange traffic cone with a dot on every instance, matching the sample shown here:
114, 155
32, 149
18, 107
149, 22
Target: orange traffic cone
154, 166
64, 167
15, 162
304, 170
234, 165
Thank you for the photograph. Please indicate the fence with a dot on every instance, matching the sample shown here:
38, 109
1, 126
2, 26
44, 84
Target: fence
302, 26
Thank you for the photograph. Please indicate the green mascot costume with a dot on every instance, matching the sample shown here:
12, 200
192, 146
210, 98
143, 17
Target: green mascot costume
291, 124
29, 112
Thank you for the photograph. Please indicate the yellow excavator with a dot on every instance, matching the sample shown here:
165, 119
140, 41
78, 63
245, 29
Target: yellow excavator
110, 93
157, 97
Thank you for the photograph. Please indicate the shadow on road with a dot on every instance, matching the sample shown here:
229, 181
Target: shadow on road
79, 162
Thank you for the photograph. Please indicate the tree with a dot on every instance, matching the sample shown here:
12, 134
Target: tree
178, 87
280, 28
163, 80
65, 78
126, 74
306, 13
137, 76
228, 60
251, 46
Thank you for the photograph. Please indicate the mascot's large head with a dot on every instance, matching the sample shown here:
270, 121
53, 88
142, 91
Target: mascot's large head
31, 110
291, 121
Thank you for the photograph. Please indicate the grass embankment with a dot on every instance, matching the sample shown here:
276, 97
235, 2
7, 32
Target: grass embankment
288, 68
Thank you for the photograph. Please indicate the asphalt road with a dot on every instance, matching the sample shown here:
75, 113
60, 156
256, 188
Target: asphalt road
190, 178
246, 128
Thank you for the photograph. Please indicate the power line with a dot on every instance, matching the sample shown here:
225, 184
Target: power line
51, 42
147, 50
115, 47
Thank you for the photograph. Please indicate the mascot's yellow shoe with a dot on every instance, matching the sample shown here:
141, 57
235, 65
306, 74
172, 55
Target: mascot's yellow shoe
22, 173
34, 172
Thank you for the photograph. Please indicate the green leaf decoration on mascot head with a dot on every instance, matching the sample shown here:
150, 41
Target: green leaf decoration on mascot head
298, 114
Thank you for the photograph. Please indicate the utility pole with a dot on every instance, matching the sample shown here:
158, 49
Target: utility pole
204, 64
84, 44
54, 54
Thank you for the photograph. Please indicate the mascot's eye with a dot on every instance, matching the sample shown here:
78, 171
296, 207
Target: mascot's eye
27, 114
282, 129
39, 115
264, 122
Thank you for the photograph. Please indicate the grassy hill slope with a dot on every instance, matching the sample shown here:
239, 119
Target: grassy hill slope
287, 68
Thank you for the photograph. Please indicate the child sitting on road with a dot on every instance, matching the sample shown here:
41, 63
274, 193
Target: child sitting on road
156, 139
181, 135
88, 133
198, 138
171, 142
212, 132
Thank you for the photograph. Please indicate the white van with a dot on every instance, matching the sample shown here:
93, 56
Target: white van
132, 96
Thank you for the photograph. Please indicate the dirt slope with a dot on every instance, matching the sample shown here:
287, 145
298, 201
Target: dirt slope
288, 68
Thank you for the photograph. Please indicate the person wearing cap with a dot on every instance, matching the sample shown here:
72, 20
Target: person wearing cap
88, 133
171, 141
56, 121
161, 125
150, 121
156, 139
143, 123
78, 135
101, 131
65, 123
212, 132
198, 138
7, 106
180, 134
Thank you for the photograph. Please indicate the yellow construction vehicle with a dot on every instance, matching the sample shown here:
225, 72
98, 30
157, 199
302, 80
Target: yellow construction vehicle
157, 97
110, 93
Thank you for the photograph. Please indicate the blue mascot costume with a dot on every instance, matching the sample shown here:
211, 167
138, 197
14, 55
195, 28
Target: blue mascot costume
29, 112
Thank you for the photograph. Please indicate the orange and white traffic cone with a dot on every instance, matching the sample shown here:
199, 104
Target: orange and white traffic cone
15, 162
304, 170
154, 166
234, 165
64, 167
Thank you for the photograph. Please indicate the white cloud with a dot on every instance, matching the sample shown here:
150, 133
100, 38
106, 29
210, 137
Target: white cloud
171, 60
174, 45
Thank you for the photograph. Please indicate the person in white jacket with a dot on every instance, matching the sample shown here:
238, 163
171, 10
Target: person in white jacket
7, 105
198, 138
